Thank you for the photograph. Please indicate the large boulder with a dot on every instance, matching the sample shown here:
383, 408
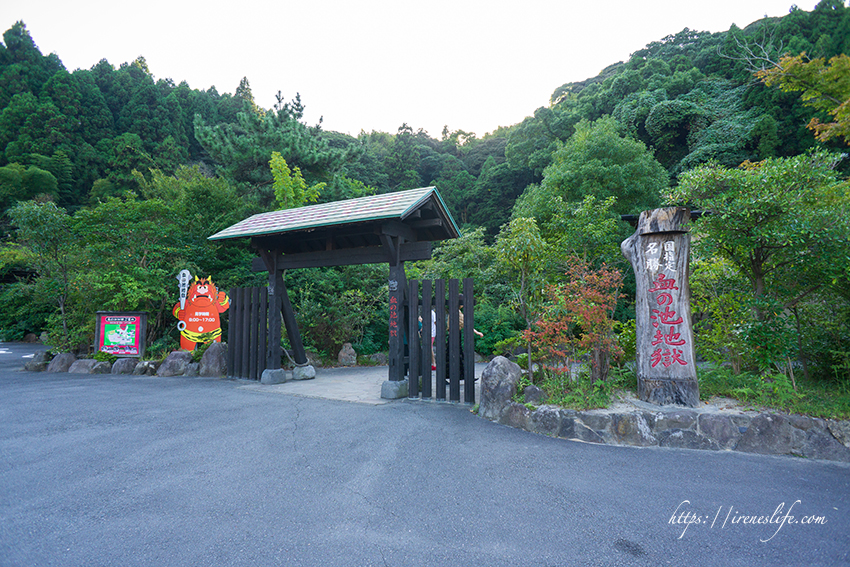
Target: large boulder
347, 356
124, 366
146, 368
498, 386
214, 360
90, 366
61, 362
176, 364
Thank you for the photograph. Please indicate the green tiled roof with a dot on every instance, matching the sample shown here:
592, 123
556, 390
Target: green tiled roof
364, 209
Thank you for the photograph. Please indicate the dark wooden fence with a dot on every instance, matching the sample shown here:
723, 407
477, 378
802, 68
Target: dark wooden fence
454, 344
247, 335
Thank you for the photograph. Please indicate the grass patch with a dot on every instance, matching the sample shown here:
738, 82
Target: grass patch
577, 392
776, 391
815, 398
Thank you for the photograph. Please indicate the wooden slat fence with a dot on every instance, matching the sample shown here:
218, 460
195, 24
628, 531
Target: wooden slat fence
454, 346
247, 335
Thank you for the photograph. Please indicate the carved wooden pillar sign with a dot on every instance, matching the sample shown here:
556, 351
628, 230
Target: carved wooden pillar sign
659, 252
397, 285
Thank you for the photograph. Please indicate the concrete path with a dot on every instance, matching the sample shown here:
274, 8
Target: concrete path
361, 384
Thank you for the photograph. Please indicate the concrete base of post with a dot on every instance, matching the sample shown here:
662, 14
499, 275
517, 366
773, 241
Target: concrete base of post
394, 389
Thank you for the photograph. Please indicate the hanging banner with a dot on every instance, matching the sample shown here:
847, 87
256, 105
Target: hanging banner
121, 333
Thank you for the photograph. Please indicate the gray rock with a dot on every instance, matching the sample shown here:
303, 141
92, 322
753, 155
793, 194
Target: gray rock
347, 356
676, 419
720, 428
498, 386
90, 366
768, 434
304, 373
275, 376
124, 366
568, 424
33, 366
380, 358
840, 430
821, 444
61, 362
192, 369
583, 433
146, 368
214, 361
598, 421
394, 389
545, 420
534, 395
30, 338
686, 439
632, 429
42, 356
515, 415
175, 364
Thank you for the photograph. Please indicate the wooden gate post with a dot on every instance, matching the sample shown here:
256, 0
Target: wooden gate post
659, 252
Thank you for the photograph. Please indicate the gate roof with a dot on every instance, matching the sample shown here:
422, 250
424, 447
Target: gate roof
416, 215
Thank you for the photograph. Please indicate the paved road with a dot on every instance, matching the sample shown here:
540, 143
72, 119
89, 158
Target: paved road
103, 470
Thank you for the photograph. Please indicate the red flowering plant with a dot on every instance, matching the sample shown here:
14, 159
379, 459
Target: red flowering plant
577, 320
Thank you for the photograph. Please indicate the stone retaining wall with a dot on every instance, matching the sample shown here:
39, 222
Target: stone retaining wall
707, 428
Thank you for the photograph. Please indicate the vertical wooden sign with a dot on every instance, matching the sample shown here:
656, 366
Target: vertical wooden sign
659, 252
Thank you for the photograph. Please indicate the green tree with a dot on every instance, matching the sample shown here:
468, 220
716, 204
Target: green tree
781, 224
824, 86
522, 253
45, 230
290, 189
598, 160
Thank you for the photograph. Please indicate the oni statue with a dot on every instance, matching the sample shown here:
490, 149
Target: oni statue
198, 311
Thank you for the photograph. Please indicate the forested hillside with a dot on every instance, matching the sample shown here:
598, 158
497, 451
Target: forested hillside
111, 179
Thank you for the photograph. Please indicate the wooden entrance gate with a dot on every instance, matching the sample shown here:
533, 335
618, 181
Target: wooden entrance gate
454, 343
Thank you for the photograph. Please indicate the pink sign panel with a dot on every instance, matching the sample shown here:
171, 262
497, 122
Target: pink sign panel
121, 334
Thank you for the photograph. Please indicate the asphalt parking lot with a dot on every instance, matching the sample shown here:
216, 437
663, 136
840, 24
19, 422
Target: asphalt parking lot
122, 470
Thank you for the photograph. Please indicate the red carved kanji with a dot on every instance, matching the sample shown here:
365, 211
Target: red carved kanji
663, 282
667, 317
667, 357
672, 338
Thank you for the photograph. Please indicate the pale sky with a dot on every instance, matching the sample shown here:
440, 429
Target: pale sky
369, 65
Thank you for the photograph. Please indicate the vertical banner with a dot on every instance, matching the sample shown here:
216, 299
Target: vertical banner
121, 333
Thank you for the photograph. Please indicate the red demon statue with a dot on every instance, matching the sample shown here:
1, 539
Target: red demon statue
198, 311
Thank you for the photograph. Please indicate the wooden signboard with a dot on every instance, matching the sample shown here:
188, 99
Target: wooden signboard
659, 253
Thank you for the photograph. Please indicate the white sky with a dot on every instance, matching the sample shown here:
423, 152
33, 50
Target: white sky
374, 64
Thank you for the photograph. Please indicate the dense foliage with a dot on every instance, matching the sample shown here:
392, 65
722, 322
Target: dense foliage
111, 180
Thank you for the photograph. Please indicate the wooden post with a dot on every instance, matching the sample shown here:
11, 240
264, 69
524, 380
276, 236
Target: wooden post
454, 340
659, 252
262, 331
292, 331
413, 338
273, 352
253, 335
440, 340
468, 342
397, 286
426, 339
